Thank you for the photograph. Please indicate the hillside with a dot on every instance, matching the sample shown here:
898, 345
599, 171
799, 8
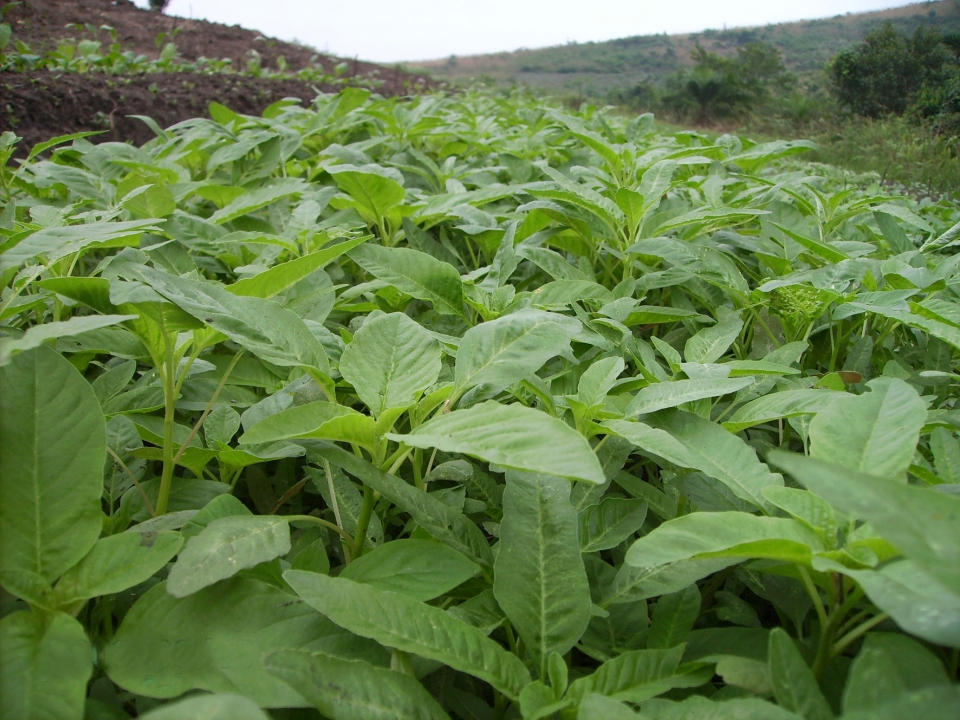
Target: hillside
597, 67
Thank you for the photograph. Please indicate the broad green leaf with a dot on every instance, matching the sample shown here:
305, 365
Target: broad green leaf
715, 452
875, 433
406, 624
673, 618
155, 201
698, 707
53, 243
214, 640
415, 274
220, 507
44, 667
639, 675
323, 420
353, 690
598, 380
263, 327
51, 464
724, 534
369, 186
887, 666
786, 404
917, 602
39, 334
814, 512
539, 578
116, 563
512, 347
924, 525
226, 546
933, 703
285, 275
209, 707
638, 583
709, 344
661, 396
390, 361
421, 569
600, 707
946, 454
512, 436
610, 522
794, 685
443, 522
253, 200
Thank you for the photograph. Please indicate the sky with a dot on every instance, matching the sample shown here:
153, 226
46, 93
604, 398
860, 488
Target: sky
397, 30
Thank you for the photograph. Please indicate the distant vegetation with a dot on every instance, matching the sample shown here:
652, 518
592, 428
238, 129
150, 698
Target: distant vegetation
878, 91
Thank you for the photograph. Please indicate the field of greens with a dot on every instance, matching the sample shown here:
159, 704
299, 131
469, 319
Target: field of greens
467, 407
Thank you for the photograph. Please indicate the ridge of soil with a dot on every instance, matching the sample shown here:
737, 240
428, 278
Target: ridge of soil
40, 105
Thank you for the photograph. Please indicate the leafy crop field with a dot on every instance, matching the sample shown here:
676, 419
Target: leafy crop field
466, 407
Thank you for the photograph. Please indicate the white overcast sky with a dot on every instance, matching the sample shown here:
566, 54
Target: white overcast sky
395, 30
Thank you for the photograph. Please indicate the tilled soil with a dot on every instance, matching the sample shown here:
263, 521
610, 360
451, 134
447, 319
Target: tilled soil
41, 105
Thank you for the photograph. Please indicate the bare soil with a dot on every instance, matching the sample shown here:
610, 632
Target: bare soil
41, 105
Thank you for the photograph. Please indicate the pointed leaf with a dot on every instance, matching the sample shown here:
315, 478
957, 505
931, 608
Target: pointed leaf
209, 707
390, 361
226, 546
406, 624
539, 578
51, 464
673, 618
794, 685
353, 690
512, 436
660, 396
414, 273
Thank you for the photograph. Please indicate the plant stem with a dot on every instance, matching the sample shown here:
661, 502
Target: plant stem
363, 522
209, 407
170, 405
861, 629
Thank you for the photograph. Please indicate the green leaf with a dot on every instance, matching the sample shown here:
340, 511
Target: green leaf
266, 194
209, 707
599, 707
724, 534
370, 187
934, 703
406, 624
54, 243
888, 666
778, 405
924, 525
321, 419
814, 512
714, 451
917, 602
512, 436
51, 464
414, 273
639, 675
263, 327
226, 546
539, 578
673, 618
353, 690
390, 361
285, 275
709, 344
213, 640
660, 396
511, 348
155, 201
697, 708
420, 569
44, 667
444, 523
609, 523
794, 685
598, 379
220, 507
39, 334
116, 563
875, 433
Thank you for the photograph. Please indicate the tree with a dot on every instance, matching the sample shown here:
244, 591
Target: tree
159, 5
884, 75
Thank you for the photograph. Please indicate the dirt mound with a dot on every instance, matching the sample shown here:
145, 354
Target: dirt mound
41, 105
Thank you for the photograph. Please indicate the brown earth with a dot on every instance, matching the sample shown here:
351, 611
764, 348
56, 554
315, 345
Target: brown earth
40, 105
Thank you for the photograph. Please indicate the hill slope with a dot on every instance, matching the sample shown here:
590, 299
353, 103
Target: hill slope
597, 67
